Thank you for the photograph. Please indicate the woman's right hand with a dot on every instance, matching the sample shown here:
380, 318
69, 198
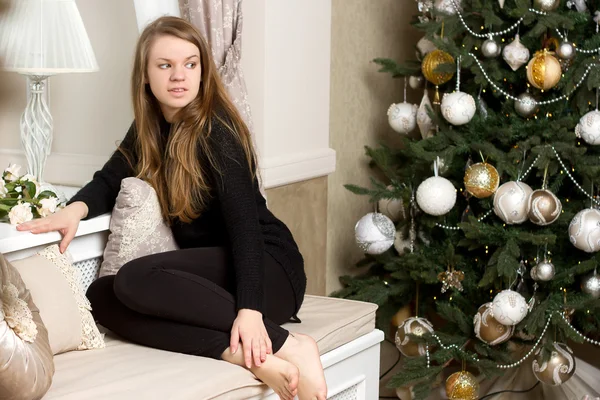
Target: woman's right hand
65, 221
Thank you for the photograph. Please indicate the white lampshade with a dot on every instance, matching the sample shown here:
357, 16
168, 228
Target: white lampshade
44, 37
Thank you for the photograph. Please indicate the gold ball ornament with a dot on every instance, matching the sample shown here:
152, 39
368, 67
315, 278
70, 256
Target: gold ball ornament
488, 329
481, 180
415, 326
544, 70
544, 207
556, 370
462, 386
546, 5
431, 62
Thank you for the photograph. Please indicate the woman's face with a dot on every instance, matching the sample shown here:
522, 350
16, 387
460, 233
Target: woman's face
174, 73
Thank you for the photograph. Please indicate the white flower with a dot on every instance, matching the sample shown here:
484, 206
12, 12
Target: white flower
47, 206
31, 178
12, 172
20, 213
3, 190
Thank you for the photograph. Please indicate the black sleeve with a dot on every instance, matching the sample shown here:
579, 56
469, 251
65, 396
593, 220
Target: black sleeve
101, 192
236, 191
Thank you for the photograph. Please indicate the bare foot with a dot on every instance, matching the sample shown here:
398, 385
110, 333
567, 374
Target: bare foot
277, 373
302, 351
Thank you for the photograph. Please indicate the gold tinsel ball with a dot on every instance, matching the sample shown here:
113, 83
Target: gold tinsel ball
415, 326
462, 386
544, 70
481, 180
556, 370
430, 64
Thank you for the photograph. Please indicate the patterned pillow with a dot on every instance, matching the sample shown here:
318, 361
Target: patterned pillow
137, 227
26, 363
55, 284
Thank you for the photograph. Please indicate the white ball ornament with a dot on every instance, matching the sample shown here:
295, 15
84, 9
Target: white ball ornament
458, 108
374, 233
515, 54
402, 117
511, 202
588, 127
424, 47
584, 230
436, 195
509, 307
490, 48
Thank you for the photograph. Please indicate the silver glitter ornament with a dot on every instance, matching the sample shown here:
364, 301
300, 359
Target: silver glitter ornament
591, 285
490, 48
566, 50
526, 106
546, 5
544, 271
374, 233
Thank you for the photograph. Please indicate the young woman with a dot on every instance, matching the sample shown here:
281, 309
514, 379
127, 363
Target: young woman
238, 275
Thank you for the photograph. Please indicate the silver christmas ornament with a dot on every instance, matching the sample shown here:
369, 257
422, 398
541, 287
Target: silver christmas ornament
546, 5
526, 106
580, 5
402, 117
566, 50
544, 271
515, 54
374, 233
447, 6
588, 128
584, 230
482, 107
490, 48
511, 202
424, 121
591, 285
416, 82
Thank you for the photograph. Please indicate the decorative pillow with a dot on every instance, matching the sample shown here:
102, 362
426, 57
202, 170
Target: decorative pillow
26, 363
137, 227
55, 285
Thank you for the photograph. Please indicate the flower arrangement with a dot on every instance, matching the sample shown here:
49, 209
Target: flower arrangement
21, 199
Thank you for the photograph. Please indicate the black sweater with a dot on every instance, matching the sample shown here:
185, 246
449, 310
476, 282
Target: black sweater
236, 216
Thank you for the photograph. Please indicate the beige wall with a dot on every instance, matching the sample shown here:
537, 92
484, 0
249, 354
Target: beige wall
360, 96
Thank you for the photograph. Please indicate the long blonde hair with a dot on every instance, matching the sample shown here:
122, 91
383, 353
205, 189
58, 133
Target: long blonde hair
179, 178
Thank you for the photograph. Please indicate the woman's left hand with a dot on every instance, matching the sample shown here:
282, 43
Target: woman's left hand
249, 329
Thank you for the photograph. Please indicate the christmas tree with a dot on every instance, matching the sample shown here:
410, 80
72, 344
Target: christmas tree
488, 222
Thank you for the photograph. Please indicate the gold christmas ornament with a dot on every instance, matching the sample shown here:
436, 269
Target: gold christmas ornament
544, 207
451, 278
415, 326
544, 70
481, 180
488, 329
430, 63
462, 386
558, 369
546, 5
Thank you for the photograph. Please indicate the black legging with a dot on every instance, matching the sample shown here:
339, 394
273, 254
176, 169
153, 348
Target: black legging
181, 301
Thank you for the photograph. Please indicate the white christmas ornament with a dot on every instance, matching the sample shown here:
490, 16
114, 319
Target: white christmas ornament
458, 108
501, 3
392, 208
416, 82
511, 202
436, 195
509, 307
374, 233
588, 127
424, 47
446, 6
584, 230
490, 48
515, 54
423, 120
402, 117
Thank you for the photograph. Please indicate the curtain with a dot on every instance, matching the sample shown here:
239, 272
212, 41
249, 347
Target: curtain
220, 22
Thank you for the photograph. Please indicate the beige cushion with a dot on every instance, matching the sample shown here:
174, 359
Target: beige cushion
136, 227
55, 285
124, 371
26, 365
